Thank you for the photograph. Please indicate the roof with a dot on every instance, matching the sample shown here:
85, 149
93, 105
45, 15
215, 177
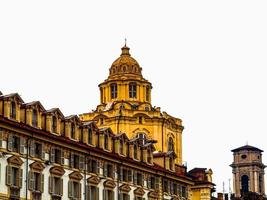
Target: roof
197, 169
248, 148
11, 96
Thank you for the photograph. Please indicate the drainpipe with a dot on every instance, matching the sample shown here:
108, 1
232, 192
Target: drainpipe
85, 172
27, 167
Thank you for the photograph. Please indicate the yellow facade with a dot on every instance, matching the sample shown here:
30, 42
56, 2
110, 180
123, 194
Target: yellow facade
125, 106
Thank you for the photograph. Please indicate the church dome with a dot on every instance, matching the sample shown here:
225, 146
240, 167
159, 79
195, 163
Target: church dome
125, 64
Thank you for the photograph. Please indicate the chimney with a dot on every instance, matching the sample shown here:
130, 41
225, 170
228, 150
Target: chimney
220, 196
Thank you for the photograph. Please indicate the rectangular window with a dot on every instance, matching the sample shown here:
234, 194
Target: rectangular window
139, 178
108, 195
15, 144
132, 90
38, 150
113, 88
13, 110
124, 196
57, 185
109, 170
184, 192
72, 134
34, 118
93, 166
74, 190
166, 186
106, 146
90, 136
76, 160
93, 193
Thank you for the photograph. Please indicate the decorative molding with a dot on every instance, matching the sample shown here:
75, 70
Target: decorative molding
76, 176
125, 188
15, 160
139, 191
38, 166
58, 171
93, 180
153, 194
109, 184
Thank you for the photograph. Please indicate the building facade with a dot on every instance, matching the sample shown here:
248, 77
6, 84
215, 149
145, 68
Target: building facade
248, 171
126, 149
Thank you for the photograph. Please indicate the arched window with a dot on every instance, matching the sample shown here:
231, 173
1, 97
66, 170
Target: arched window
135, 151
13, 110
147, 93
121, 146
170, 144
132, 90
34, 117
54, 124
106, 141
113, 89
244, 184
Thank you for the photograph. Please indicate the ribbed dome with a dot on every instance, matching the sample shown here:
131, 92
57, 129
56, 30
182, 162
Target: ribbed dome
125, 64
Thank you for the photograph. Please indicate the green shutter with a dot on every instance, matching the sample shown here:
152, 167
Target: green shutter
8, 175
62, 157
142, 181
31, 180
31, 147
79, 190
71, 160
105, 170
98, 167
135, 177
21, 145
149, 181
10, 142
61, 186
70, 190
42, 183
112, 195
121, 196
97, 193
1, 137
51, 185
130, 175
157, 183
52, 154
81, 162
20, 178
43, 151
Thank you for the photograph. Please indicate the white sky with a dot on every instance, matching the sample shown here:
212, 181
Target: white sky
206, 60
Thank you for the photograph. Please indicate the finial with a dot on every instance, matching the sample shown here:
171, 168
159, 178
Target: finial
125, 42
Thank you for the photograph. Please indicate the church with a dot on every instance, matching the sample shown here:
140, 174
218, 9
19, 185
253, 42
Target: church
125, 149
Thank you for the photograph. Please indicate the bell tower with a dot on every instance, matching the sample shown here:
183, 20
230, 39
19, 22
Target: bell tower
248, 171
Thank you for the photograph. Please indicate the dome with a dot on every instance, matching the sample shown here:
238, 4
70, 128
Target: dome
125, 64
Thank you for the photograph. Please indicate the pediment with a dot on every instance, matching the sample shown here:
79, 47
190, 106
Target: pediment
59, 171
110, 184
139, 191
93, 180
125, 188
37, 166
15, 160
76, 176
153, 194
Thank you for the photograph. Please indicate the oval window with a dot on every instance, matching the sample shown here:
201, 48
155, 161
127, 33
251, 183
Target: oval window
243, 156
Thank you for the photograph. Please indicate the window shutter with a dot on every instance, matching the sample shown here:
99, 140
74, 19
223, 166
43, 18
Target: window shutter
88, 192
61, 187
135, 198
135, 177
1, 137
97, 193
142, 181
113, 171
71, 160
42, 183
130, 175
104, 194
8, 175
89, 165
62, 157
157, 183
120, 173
21, 145
98, 167
128, 197
81, 162
149, 181
20, 178
31, 180
10, 142
31, 146
121, 196
52, 155
43, 151
70, 190
171, 187
79, 191
51, 185
112, 195
105, 170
